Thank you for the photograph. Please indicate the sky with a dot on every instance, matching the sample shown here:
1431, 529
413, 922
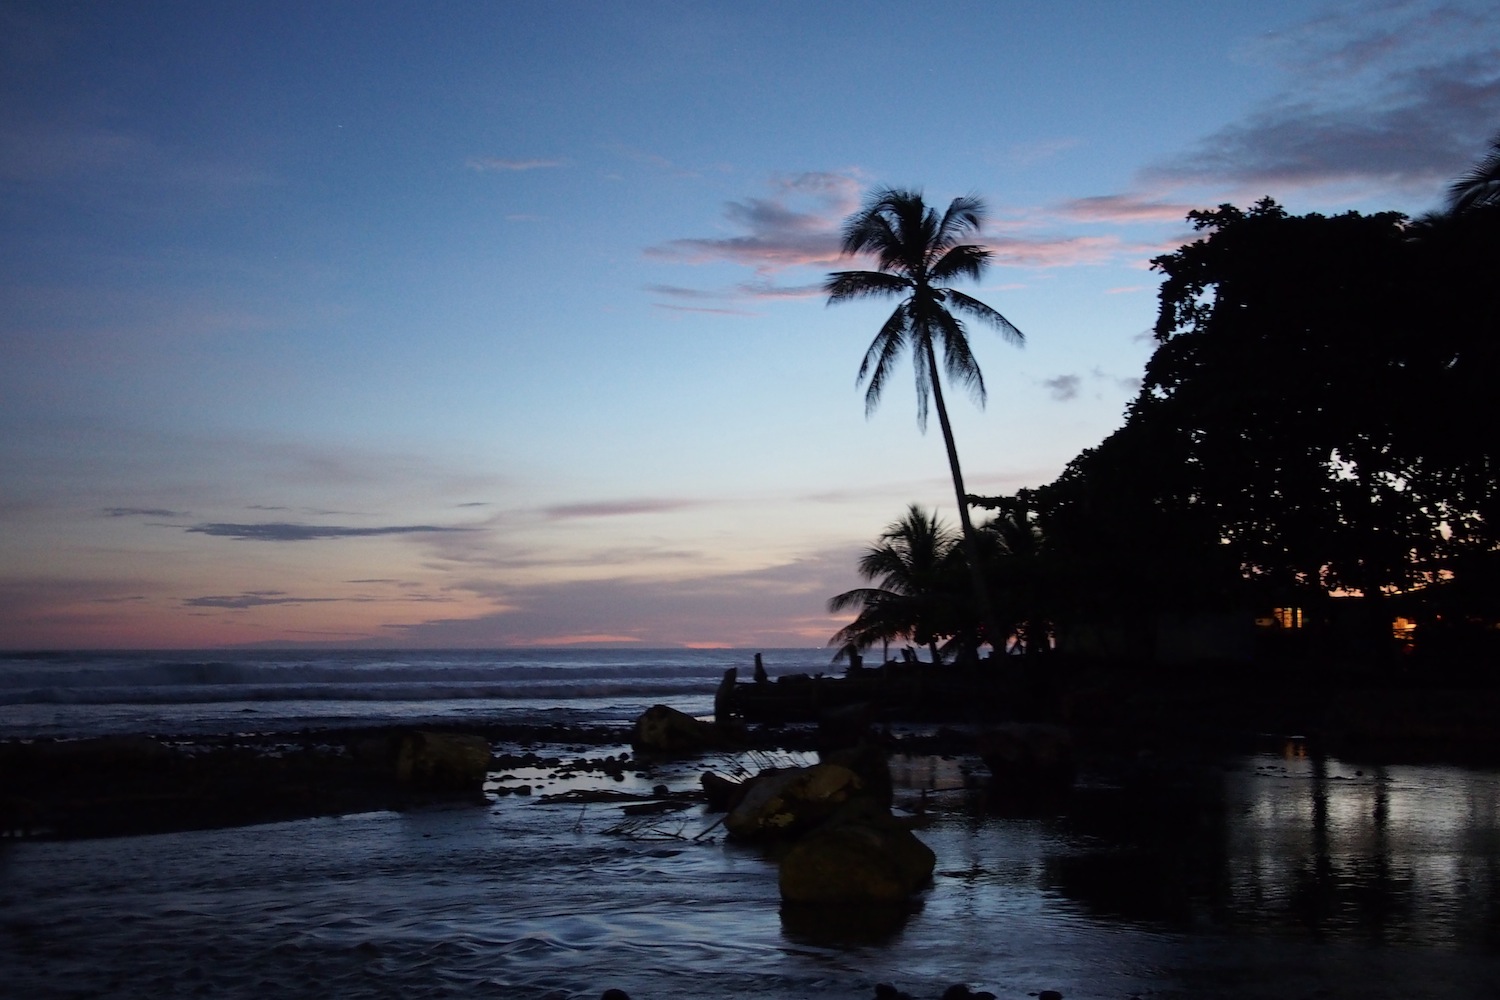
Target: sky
465, 324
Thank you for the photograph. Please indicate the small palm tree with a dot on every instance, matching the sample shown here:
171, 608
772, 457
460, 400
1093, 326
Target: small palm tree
918, 254
913, 568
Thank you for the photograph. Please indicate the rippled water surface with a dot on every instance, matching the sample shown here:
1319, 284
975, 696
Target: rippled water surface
1270, 876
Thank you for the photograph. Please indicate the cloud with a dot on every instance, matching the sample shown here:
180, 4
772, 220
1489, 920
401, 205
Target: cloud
141, 512
260, 599
780, 605
23, 596
760, 290
1063, 387
766, 290
1030, 153
617, 508
1057, 251
283, 532
799, 225
679, 292
272, 598
1402, 98
711, 310
796, 225
1124, 209
491, 164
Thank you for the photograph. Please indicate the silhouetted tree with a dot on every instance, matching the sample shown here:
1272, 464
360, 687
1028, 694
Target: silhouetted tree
916, 567
918, 254
1121, 537
1015, 563
1286, 368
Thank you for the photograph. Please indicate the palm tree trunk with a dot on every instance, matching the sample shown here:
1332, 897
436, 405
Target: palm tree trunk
971, 539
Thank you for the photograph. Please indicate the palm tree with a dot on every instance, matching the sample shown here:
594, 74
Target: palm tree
1016, 567
919, 254
1479, 187
914, 572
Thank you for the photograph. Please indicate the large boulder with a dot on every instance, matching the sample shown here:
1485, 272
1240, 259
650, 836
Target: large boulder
665, 730
442, 762
869, 860
720, 794
785, 803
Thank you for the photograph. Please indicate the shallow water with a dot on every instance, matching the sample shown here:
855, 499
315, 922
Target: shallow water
1269, 876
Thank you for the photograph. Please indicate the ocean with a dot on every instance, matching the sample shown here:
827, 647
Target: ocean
1275, 874
196, 692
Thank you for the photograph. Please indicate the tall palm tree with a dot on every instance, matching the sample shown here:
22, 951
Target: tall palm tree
914, 573
919, 254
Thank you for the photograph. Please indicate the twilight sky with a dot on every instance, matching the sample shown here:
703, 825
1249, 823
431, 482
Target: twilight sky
488, 324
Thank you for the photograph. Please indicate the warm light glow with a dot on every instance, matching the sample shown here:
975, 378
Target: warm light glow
1287, 617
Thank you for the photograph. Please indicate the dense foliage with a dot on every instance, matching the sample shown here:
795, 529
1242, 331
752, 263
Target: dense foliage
1319, 417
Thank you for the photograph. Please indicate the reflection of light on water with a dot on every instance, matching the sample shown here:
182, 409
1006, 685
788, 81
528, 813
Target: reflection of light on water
927, 773
1382, 852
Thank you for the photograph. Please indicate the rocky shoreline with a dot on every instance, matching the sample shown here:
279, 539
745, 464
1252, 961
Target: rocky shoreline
121, 785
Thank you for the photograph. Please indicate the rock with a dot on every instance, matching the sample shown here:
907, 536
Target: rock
724, 695
1028, 760
442, 762
868, 860
960, 991
785, 803
662, 729
1049, 995
871, 765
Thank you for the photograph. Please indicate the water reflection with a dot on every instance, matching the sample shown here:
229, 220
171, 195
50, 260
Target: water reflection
832, 926
1293, 843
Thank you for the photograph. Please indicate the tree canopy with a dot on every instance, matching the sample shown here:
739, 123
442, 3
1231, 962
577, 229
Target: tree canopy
1318, 417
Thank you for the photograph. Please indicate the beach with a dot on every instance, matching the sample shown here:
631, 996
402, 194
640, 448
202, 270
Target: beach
1269, 873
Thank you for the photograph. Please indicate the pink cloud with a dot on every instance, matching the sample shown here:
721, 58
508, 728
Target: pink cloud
1124, 208
1056, 251
797, 225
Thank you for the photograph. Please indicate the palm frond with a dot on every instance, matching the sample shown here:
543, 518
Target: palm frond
843, 286
882, 355
923, 373
971, 306
1479, 185
965, 215
871, 230
967, 260
958, 359
857, 598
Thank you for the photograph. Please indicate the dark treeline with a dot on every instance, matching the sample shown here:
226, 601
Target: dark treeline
1314, 448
